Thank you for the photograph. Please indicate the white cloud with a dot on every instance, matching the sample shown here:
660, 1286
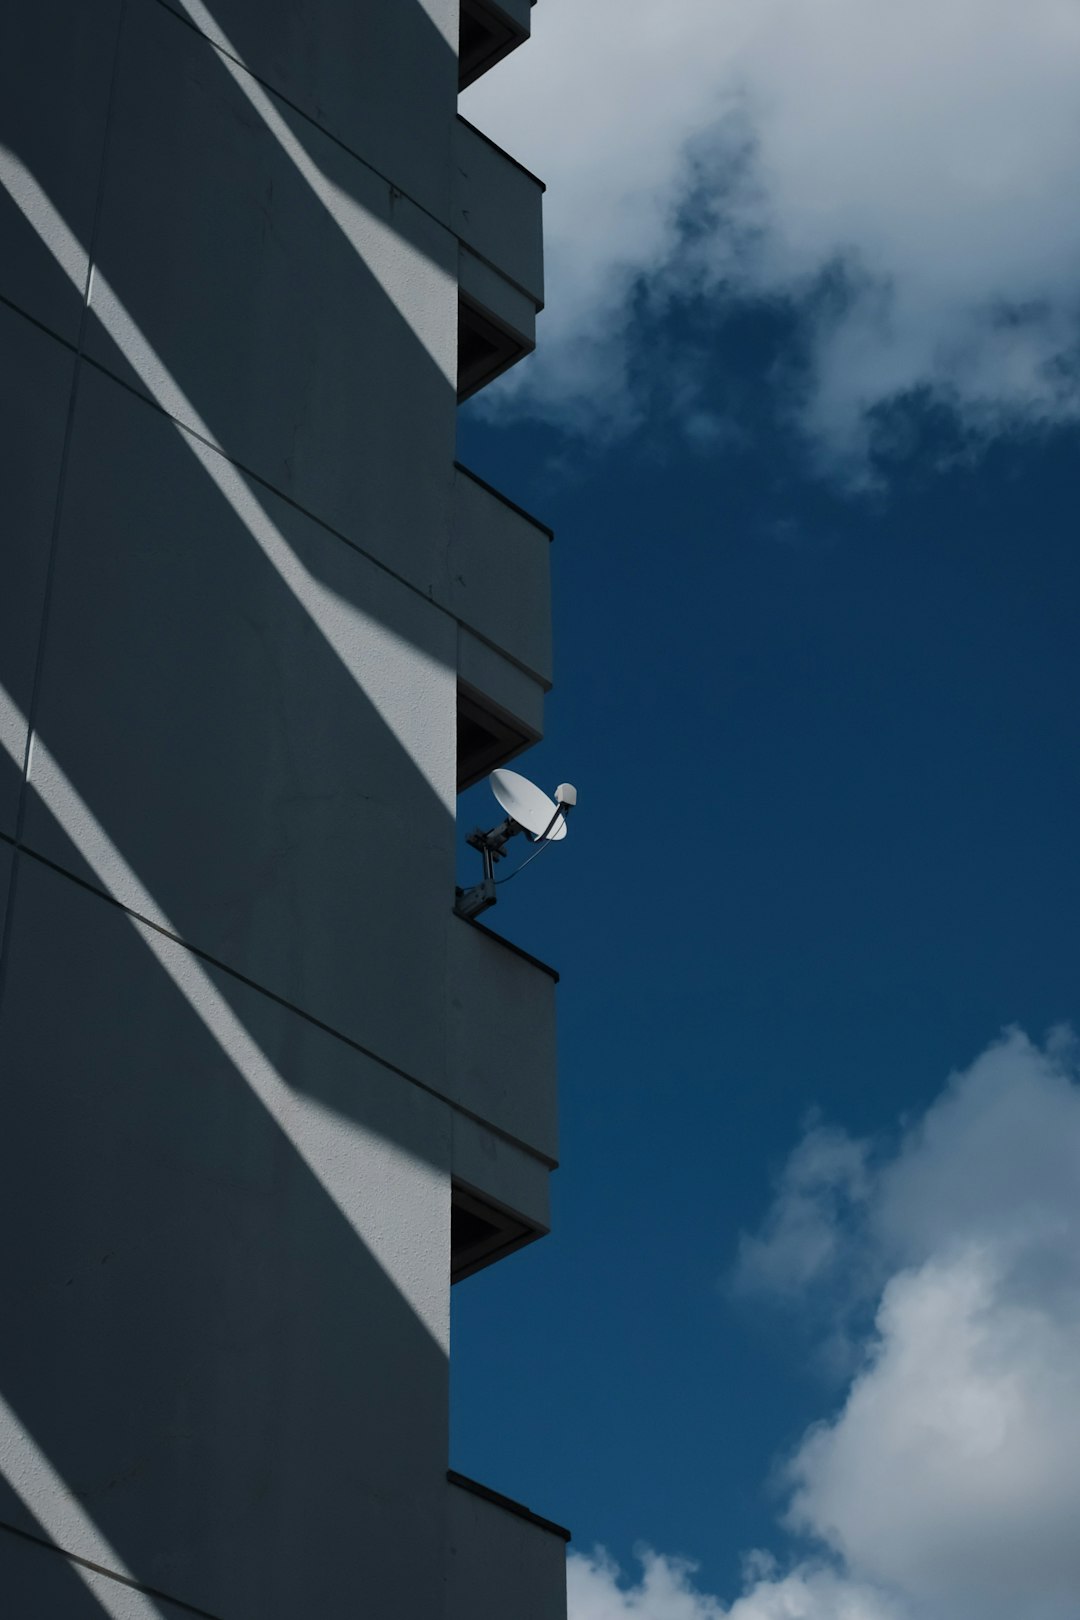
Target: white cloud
665, 1592
953, 1468
947, 1485
596, 1590
928, 149
804, 1238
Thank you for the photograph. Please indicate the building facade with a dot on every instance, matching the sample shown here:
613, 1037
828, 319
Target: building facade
263, 1094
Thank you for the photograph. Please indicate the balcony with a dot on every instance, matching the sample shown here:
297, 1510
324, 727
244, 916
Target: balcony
500, 579
501, 1038
504, 1562
496, 209
488, 31
498, 588
488, 737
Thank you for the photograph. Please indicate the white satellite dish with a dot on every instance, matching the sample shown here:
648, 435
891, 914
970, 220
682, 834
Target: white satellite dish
528, 810
529, 805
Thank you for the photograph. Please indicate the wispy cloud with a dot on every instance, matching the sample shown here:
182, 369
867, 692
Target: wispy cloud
806, 1237
898, 177
946, 1484
666, 1590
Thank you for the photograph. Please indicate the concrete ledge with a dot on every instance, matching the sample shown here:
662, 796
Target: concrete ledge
501, 684
496, 209
499, 575
500, 1171
501, 496
503, 1561
502, 300
501, 1058
507, 1503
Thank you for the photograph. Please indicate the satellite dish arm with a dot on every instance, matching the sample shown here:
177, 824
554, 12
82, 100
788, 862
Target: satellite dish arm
492, 846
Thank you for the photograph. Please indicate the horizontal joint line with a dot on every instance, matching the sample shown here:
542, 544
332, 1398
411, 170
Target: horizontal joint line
290, 1006
110, 1574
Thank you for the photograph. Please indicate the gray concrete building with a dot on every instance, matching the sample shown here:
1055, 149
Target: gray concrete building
263, 1096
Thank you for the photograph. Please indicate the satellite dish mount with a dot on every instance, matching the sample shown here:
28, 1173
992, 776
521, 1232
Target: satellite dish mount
528, 811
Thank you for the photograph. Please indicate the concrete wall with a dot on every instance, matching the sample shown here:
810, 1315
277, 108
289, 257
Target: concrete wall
503, 1562
229, 1288
240, 580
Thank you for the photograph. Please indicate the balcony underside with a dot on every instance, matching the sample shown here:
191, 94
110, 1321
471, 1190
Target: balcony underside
488, 32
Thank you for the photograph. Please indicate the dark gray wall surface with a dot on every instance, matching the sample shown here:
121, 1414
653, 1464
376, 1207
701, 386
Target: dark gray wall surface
260, 286
56, 64
382, 81
208, 1354
231, 1275
40, 1583
33, 421
222, 744
6, 856
228, 307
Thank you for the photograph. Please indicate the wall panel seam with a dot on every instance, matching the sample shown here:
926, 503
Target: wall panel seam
290, 1006
109, 1574
444, 225
58, 506
216, 46
140, 394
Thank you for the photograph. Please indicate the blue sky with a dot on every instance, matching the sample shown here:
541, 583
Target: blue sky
816, 589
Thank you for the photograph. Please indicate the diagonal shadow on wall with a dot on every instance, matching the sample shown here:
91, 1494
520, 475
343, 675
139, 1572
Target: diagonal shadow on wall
210, 1354
239, 1376
263, 780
